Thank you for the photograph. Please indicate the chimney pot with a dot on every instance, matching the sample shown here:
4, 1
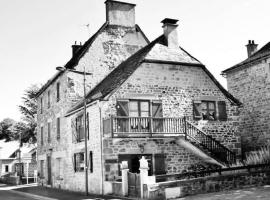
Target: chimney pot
75, 47
120, 13
251, 48
170, 32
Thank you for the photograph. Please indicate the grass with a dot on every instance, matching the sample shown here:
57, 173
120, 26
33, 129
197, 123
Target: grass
262, 156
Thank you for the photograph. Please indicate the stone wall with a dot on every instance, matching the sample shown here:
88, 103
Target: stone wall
176, 86
251, 85
176, 189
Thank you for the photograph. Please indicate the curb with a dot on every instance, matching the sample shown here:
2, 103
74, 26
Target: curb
34, 196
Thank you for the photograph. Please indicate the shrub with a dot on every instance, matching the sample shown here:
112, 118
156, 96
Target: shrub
262, 156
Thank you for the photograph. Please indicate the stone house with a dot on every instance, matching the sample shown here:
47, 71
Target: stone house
117, 39
249, 81
144, 99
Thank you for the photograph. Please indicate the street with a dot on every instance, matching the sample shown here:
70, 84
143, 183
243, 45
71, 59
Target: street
9, 195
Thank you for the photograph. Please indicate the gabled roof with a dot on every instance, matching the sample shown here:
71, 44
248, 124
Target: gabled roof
260, 54
80, 53
155, 52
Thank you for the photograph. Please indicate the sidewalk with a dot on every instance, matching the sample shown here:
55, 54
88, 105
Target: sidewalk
44, 193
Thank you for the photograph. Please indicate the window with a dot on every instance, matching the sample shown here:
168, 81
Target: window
6, 168
139, 113
139, 108
41, 135
58, 128
49, 132
57, 92
42, 166
79, 162
59, 168
41, 105
79, 128
91, 161
209, 110
49, 99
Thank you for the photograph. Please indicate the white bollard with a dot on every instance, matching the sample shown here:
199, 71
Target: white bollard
125, 170
143, 173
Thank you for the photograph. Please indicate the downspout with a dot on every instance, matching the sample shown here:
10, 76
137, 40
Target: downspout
101, 149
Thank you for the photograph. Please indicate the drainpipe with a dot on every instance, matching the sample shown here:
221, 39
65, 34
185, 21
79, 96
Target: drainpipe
101, 150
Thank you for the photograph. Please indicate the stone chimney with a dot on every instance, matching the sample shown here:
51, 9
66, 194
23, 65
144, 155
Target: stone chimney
120, 13
75, 47
170, 32
251, 47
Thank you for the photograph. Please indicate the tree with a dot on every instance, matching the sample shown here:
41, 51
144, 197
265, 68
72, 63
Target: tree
7, 129
25, 130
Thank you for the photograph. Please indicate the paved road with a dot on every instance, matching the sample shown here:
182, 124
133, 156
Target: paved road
8, 195
260, 193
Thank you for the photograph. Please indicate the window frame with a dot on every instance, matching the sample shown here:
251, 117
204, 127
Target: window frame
80, 128
49, 132
78, 168
41, 136
208, 110
49, 98
41, 105
58, 128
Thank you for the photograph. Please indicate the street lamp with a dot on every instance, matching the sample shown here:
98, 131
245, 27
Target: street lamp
84, 73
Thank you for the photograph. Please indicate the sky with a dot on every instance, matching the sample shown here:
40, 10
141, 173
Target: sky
36, 35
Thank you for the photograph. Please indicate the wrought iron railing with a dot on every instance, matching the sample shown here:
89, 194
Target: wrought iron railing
207, 142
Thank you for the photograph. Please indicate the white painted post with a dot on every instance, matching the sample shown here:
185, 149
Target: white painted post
124, 168
143, 173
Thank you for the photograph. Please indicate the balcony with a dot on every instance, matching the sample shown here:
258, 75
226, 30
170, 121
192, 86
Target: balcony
122, 127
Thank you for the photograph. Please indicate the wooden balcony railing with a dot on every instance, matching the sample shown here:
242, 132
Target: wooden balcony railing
143, 126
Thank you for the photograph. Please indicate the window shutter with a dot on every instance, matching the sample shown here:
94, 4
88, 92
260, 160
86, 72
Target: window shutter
91, 161
74, 162
157, 109
197, 110
122, 108
222, 111
160, 164
157, 112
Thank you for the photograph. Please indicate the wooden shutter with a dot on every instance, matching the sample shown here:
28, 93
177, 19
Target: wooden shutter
91, 161
157, 112
74, 162
122, 108
159, 164
157, 109
222, 114
197, 110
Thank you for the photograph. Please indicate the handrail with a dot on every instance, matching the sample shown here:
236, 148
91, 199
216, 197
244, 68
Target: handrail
216, 149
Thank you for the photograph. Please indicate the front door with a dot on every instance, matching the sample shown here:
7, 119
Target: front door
49, 167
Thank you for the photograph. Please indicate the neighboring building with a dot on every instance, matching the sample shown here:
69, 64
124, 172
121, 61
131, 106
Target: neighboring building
11, 155
249, 81
146, 99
